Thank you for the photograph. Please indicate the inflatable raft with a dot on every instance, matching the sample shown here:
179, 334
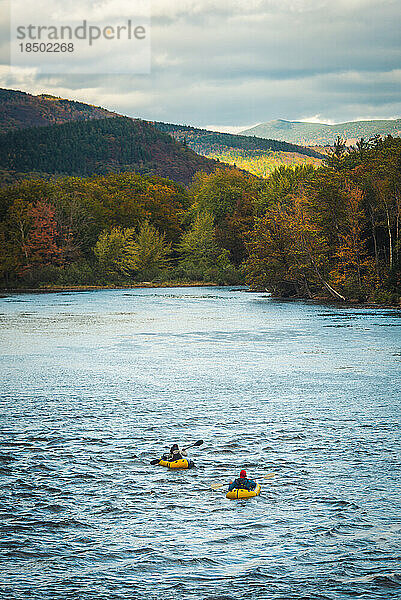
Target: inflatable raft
183, 463
236, 494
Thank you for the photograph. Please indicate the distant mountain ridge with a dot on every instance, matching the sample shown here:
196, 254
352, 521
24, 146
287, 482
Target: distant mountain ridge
256, 155
312, 134
99, 146
19, 110
205, 141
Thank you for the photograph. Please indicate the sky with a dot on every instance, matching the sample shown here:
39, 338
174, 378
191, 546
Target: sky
230, 64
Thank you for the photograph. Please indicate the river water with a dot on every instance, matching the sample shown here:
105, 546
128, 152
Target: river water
96, 384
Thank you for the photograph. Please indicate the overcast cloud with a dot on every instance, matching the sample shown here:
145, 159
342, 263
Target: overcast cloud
231, 63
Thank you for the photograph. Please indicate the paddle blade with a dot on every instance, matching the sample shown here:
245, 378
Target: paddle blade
155, 461
216, 486
269, 476
198, 443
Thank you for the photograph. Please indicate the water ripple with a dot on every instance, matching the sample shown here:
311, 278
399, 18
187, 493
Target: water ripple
96, 385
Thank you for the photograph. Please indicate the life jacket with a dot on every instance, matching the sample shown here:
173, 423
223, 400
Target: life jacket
242, 483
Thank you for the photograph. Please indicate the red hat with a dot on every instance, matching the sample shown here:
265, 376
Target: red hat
243, 474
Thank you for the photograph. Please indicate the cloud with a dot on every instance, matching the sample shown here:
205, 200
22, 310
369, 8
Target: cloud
233, 63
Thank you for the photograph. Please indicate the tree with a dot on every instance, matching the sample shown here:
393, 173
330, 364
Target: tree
218, 193
115, 252
353, 270
288, 253
361, 146
42, 247
124, 252
283, 183
229, 196
202, 258
150, 252
337, 153
270, 264
15, 231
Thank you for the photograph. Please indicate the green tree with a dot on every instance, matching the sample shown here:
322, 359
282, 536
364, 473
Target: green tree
202, 258
150, 252
229, 196
337, 154
16, 228
283, 183
115, 252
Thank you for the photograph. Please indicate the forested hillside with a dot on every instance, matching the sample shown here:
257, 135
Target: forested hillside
256, 155
19, 110
327, 233
204, 141
311, 134
99, 146
122, 228
334, 231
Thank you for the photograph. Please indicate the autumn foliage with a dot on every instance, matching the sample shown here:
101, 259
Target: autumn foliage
332, 232
41, 247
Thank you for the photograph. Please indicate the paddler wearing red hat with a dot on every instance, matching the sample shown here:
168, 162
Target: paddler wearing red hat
242, 483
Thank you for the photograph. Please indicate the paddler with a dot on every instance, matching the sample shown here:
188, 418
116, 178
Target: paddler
242, 483
175, 453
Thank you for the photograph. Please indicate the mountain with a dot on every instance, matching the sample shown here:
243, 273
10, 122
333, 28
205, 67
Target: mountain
19, 110
311, 134
204, 141
99, 146
256, 155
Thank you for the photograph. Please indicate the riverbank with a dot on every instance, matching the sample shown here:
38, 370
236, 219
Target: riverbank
331, 300
93, 288
323, 300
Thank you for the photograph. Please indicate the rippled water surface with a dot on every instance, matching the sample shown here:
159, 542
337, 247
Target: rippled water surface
96, 384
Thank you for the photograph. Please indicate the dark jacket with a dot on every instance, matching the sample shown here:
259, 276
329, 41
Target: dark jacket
174, 456
241, 483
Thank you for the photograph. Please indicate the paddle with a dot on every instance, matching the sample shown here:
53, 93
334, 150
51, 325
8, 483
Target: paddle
217, 486
198, 443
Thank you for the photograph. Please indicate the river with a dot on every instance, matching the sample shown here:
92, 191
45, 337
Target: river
97, 384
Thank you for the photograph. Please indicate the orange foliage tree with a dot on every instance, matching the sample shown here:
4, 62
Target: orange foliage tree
42, 244
353, 271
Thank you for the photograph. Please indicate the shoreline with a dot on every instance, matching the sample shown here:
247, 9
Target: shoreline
174, 284
93, 288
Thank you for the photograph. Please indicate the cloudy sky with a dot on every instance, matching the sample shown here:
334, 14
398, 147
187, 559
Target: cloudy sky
234, 63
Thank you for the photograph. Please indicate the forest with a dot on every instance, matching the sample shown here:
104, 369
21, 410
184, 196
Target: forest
101, 146
19, 110
122, 143
256, 155
204, 141
327, 233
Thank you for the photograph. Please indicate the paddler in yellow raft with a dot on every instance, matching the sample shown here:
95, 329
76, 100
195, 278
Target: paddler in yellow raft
242, 487
175, 453
176, 459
